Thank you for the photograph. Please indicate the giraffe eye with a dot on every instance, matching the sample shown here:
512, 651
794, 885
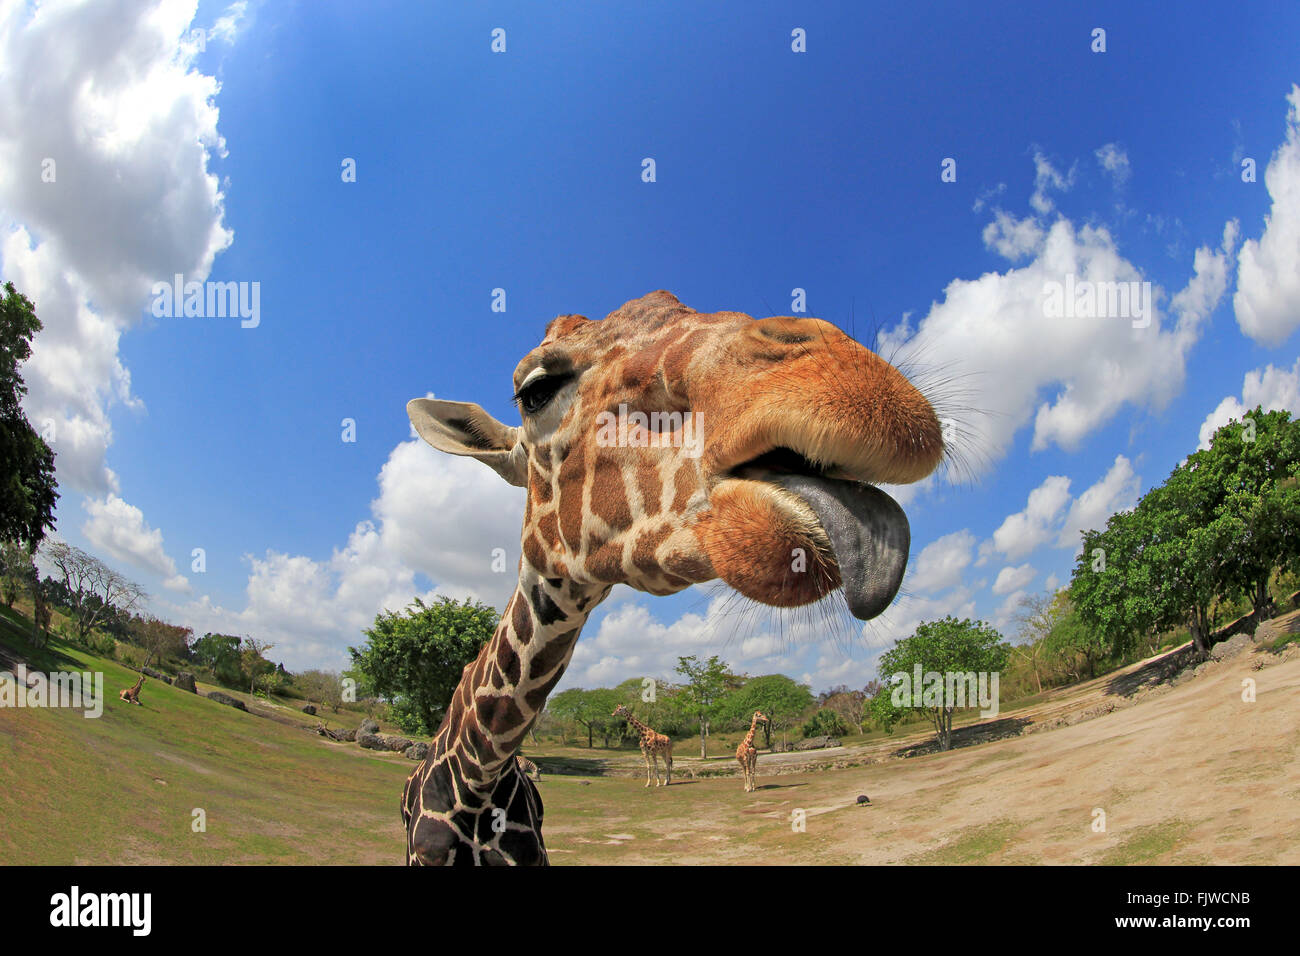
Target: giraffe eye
537, 394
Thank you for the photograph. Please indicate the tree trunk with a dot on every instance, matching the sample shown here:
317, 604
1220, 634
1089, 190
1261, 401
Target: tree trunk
703, 753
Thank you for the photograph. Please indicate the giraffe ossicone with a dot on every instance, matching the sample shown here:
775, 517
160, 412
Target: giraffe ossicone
794, 425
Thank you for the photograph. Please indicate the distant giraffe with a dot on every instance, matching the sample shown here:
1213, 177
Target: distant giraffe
653, 746
529, 768
747, 753
132, 694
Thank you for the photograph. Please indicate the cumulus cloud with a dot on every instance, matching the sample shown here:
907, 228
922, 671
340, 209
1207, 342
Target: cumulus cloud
1116, 491
1014, 579
1026, 530
438, 517
120, 530
1014, 363
1274, 389
1052, 515
941, 563
902, 617
1267, 300
106, 131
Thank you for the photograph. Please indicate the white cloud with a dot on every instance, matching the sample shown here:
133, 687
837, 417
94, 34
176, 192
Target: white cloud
1014, 579
449, 519
1026, 530
106, 93
120, 530
1267, 300
1114, 160
1013, 238
902, 617
1005, 615
941, 563
1273, 388
1047, 177
1068, 376
1053, 515
1116, 491
1210, 272
230, 23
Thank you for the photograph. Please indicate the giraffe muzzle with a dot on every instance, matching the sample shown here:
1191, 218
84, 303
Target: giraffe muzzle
868, 532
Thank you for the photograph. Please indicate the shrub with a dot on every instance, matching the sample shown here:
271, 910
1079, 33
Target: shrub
826, 723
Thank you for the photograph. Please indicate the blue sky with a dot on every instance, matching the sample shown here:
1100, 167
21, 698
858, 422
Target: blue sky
521, 170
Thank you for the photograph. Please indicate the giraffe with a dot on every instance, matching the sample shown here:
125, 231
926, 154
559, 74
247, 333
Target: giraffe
132, 694
653, 746
747, 753
530, 769
661, 447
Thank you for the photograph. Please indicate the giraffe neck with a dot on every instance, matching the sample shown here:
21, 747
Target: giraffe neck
641, 728
501, 694
749, 737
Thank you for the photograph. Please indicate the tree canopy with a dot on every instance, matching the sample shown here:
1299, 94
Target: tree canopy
415, 657
1219, 526
27, 482
946, 647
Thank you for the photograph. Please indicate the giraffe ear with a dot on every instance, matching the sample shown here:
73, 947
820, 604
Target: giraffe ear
463, 428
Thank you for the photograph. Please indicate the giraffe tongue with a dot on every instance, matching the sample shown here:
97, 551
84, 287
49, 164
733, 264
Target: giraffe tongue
868, 532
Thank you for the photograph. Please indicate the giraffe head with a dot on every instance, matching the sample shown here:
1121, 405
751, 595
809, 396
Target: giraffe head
621, 711
662, 447
760, 717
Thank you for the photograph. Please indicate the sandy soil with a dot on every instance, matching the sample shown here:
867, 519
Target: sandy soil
1183, 774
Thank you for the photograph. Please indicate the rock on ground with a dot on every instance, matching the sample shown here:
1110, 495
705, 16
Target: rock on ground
417, 751
229, 701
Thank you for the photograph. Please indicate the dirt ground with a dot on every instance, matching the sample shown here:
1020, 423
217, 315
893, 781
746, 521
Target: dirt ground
1122, 769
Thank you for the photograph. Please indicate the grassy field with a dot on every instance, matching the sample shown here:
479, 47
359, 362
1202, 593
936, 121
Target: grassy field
123, 788
1188, 774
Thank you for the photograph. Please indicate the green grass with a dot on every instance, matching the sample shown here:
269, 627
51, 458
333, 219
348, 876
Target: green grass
972, 845
1147, 844
123, 788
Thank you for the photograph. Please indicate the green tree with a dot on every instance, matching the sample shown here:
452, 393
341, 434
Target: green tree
781, 699
946, 647
252, 658
592, 710
1071, 640
415, 658
1253, 467
705, 686
321, 687
27, 482
160, 639
93, 589
17, 571
220, 654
